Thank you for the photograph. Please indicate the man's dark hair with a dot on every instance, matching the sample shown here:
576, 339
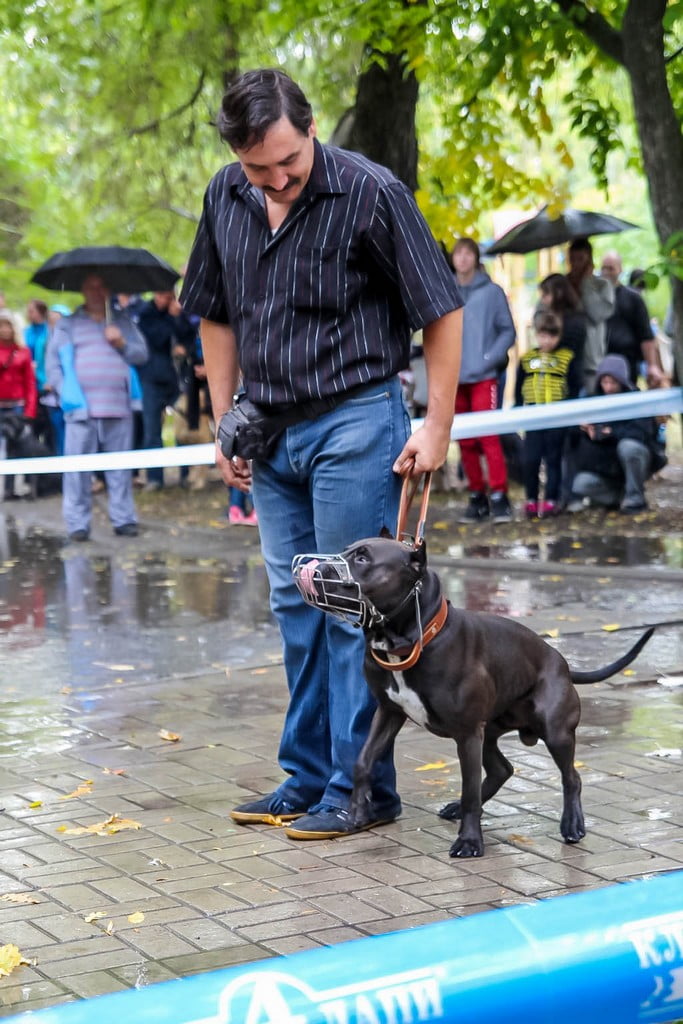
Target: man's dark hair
469, 243
581, 245
255, 101
547, 322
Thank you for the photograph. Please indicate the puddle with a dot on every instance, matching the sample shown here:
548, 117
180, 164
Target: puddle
71, 619
611, 549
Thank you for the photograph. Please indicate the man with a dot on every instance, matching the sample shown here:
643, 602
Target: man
596, 297
88, 367
629, 333
310, 269
169, 335
488, 334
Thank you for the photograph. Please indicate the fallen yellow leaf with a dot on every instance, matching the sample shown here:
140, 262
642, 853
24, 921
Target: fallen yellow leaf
95, 916
520, 839
19, 897
113, 771
611, 627
137, 917
629, 672
84, 789
554, 633
36, 803
102, 828
432, 766
110, 928
10, 957
166, 734
258, 671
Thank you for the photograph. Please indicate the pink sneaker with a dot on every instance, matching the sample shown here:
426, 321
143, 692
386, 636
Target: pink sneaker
236, 516
531, 510
251, 519
549, 509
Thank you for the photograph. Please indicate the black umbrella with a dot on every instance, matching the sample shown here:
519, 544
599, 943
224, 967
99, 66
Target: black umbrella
122, 270
543, 231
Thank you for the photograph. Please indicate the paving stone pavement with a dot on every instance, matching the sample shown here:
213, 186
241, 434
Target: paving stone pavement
214, 894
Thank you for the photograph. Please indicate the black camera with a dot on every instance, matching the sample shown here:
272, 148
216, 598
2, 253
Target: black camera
246, 431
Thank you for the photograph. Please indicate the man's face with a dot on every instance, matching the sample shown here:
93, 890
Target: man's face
611, 268
163, 299
464, 260
580, 262
281, 164
95, 293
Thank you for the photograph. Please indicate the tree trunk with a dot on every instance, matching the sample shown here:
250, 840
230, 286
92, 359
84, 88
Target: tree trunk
659, 132
381, 125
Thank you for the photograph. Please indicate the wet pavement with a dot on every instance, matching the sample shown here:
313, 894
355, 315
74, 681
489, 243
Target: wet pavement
104, 645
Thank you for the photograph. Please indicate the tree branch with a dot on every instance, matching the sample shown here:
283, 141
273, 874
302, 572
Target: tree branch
158, 121
674, 55
595, 26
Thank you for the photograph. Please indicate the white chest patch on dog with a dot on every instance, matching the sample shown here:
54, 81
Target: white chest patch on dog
408, 701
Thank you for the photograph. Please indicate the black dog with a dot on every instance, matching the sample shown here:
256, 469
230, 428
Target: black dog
467, 675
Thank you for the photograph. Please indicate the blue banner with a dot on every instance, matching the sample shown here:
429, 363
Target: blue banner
611, 956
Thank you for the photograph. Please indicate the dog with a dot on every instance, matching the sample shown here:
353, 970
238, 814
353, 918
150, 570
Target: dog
470, 676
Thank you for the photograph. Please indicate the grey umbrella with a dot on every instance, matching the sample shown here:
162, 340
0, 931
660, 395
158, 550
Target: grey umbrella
122, 270
543, 231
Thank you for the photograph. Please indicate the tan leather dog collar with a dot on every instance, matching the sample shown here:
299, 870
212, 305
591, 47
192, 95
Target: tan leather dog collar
430, 631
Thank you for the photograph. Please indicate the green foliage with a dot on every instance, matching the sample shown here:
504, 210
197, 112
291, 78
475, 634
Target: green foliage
110, 108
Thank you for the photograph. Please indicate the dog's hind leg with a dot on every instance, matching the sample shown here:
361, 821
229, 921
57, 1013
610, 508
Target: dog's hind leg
384, 728
497, 770
562, 747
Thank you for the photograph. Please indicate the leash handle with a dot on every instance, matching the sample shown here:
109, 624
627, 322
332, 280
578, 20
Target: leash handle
408, 491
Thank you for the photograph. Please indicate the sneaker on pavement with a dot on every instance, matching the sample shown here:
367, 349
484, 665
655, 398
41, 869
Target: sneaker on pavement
531, 510
236, 516
549, 509
332, 823
477, 508
501, 509
251, 519
270, 809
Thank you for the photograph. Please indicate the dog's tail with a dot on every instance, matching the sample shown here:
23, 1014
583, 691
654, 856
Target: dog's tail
598, 674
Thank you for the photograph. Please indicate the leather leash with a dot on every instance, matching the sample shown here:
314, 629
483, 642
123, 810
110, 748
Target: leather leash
434, 626
408, 492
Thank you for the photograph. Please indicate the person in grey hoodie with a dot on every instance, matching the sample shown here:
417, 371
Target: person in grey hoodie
488, 333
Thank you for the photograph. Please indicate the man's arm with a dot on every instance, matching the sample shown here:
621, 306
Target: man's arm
222, 370
427, 448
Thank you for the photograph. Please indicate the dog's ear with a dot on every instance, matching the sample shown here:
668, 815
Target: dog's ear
418, 557
386, 533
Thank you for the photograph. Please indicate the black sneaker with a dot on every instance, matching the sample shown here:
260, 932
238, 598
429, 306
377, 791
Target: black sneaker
127, 530
266, 810
501, 509
79, 535
332, 823
477, 509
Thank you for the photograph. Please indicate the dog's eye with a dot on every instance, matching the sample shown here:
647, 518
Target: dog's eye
361, 555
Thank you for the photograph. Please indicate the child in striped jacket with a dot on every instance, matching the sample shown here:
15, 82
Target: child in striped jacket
546, 373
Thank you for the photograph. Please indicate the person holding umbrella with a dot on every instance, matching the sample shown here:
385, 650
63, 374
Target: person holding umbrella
88, 366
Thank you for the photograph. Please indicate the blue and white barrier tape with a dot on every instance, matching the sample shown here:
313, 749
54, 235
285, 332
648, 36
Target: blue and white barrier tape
601, 409
613, 954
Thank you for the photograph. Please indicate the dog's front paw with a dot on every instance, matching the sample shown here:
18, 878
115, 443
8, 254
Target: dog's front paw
463, 847
573, 832
451, 812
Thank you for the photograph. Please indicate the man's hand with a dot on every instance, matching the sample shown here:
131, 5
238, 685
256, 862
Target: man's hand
234, 472
423, 452
114, 337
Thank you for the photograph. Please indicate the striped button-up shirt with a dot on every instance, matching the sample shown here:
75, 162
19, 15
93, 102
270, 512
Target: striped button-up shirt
328, 301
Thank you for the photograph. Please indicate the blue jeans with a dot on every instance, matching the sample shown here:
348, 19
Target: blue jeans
328, 483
